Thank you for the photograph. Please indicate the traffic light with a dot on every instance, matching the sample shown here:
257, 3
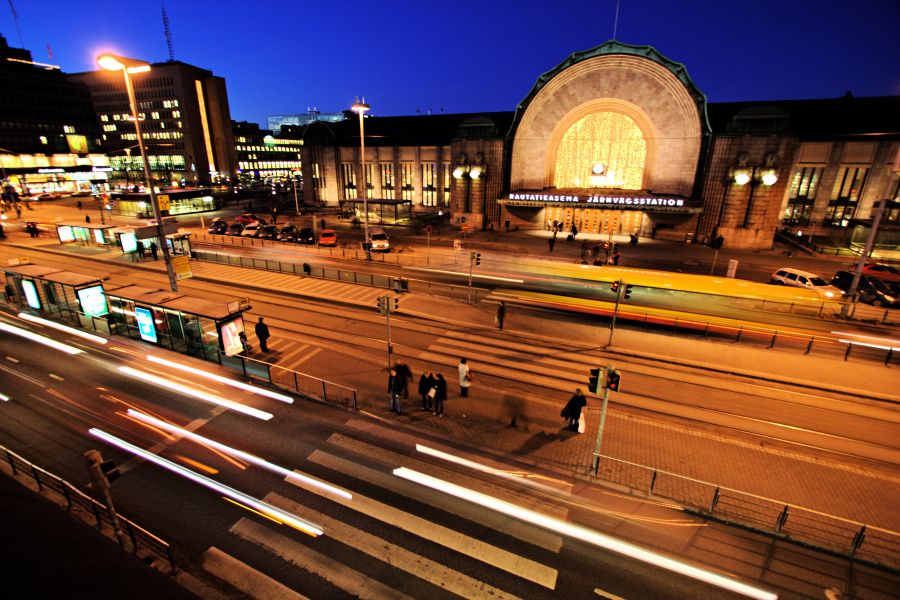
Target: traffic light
382, 304
396, 304
595, 381
613, 380
475, 257
627, 293
615, 287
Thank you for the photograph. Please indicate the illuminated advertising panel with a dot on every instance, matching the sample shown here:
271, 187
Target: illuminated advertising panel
146, 326
31, 294
93, 301
65, 233
129, 241
98, 236
229, 333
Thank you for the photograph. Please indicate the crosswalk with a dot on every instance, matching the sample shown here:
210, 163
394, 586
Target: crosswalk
377, 549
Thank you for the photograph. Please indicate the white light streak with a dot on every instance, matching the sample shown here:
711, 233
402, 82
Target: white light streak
474, 275
155, 380
275, 512
61, 327
221, 379
584, 534
892, 344
34, 337
4, 398
254, 460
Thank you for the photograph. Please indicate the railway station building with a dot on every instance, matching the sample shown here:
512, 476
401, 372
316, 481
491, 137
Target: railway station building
618, 139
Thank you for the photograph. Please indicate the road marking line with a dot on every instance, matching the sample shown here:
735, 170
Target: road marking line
285, 358
529, 534
492, 555
334, 572
55, 376
396, 556
307, 357
607, 595
245, 578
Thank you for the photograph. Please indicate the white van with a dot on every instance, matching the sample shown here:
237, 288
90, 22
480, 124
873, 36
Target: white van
380, 241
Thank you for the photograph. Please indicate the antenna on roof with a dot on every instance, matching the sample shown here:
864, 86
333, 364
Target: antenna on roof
165, 18
16, 19
616, 21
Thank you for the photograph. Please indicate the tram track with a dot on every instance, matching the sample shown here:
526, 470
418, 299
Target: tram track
537, 369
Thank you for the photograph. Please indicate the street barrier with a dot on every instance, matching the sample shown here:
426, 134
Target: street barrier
136, 540
850, 539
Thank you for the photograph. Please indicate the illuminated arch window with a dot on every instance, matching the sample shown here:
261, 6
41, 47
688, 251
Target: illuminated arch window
601, 150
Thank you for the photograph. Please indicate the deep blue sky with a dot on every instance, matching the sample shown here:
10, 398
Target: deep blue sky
281, 56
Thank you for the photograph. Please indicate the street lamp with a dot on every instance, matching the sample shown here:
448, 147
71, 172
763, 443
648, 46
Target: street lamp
360, 108
755, 175
130, 66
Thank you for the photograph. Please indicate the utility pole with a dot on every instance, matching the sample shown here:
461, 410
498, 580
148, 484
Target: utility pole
387, 305
853, 292
474, 259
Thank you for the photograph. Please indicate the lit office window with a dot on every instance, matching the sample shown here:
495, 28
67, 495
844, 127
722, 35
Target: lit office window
348, 170
406, 180
445, 194
387, 180
429, 190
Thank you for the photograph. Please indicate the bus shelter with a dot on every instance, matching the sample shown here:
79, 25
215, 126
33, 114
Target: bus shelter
208, 330
68, 296
179, 242
88, 234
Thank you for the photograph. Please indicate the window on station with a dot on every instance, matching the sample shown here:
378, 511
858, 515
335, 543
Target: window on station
429, 189
445, 194
802, 195
406, 180
348, 170
387, 180
601, 150
845, 196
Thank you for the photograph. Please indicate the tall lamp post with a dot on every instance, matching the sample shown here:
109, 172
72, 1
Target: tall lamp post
360, 108
755, 175
129, 66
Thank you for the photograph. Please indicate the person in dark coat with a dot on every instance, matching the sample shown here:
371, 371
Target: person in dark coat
262, 334
616, 257
440, 394
154, 250
405, 374
142, 251
395, 389
426, 382
572, 410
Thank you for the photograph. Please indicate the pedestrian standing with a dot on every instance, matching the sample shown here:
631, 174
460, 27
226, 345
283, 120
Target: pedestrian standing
465, 378
551, 241
426, 385
262, 334
78, 204
322, 223
616, 257
154, 250
405, 375
506, 225
245, 343
572, 410
395, 389
574, 231
142, 251
501, 314
440, 394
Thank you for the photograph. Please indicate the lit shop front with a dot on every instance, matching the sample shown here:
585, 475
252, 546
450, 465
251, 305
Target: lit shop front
610, 141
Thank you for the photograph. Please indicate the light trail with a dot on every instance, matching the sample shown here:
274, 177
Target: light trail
155, 380
584, 534
34, 337
250, 458
61, 327
4, 398
276, 513
459, 274
238, 384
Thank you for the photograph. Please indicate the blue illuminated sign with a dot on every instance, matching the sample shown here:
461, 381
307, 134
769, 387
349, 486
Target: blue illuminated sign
145, 324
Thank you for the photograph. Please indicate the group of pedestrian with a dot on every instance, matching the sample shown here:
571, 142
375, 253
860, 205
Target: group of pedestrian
432, 387
32, 229
142, 250
600, 253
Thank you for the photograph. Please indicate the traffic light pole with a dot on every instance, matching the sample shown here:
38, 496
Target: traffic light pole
389, 334
596, 465
612, 326
471, 269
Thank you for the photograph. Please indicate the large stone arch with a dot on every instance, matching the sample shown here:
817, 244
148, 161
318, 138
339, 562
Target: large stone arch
636, 81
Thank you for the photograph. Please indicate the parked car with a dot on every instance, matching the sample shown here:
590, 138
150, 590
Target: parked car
234, 229
305, 235
380, 241
247, 218
252, 230
805, 279
328, 238
268, 232
871, 289
286, 233
217, 227
889, 274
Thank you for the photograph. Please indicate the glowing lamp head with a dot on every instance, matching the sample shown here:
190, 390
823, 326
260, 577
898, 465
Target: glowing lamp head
742, 178
598, 169
769, 178
360, 107
459, 171
112, 62
475, 172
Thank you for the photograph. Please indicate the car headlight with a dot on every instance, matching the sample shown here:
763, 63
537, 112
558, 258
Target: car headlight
829, 294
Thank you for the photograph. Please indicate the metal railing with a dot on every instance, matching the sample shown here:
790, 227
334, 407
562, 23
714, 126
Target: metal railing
303, 384
136, 539
852, 539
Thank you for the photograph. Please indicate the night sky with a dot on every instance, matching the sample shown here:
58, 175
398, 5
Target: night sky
282, 57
